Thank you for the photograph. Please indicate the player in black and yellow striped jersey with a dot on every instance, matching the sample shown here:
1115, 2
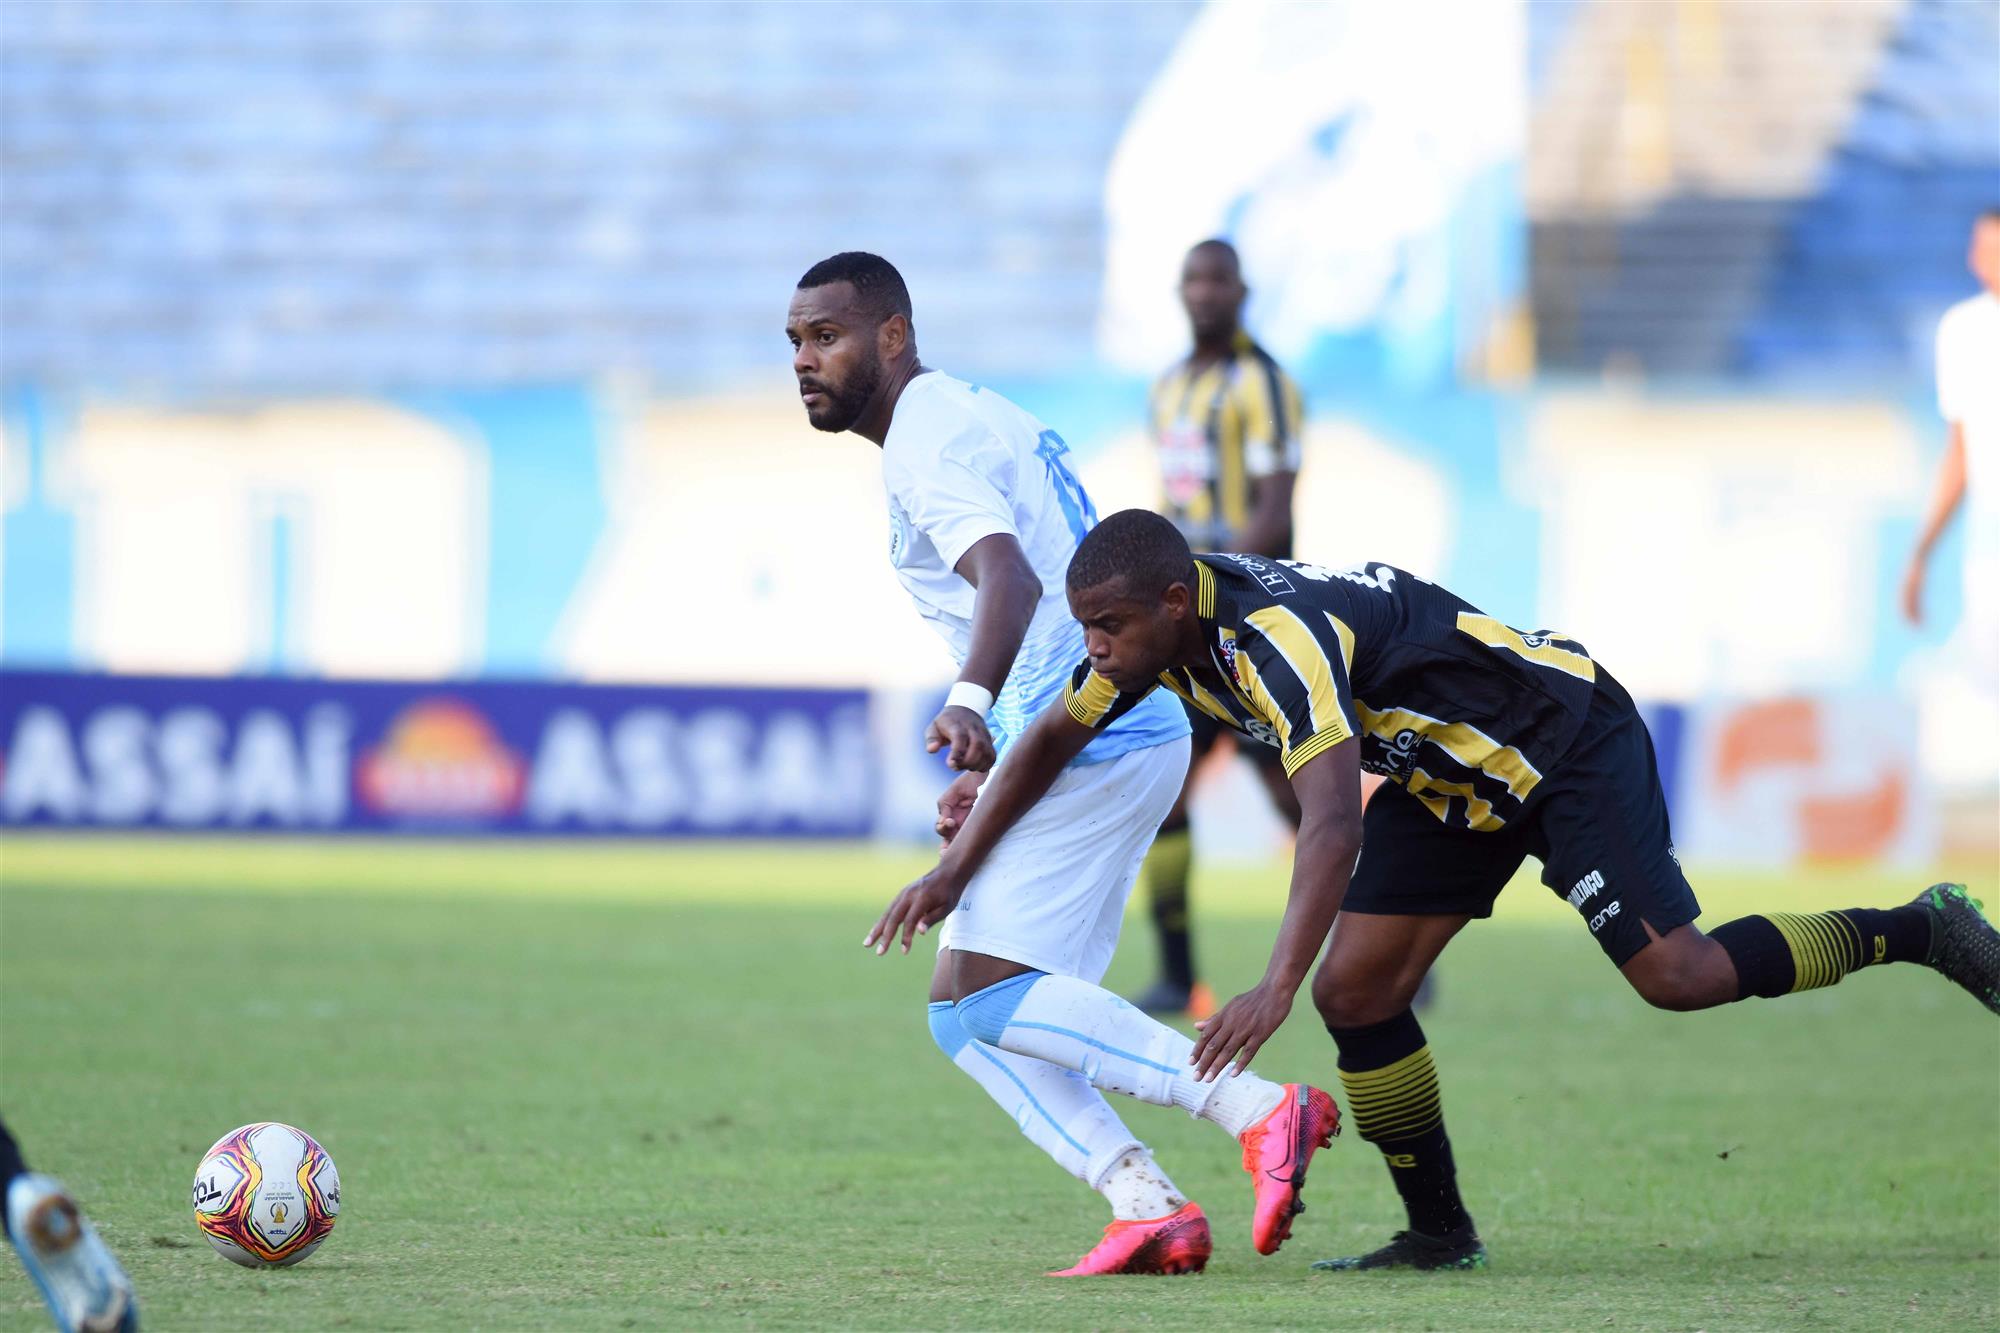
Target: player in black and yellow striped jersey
1495, 744
1226, 420
1226, 423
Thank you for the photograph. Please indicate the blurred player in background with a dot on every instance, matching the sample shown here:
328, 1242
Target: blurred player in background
1968, 394
984, 516
1226, 420
86, 1290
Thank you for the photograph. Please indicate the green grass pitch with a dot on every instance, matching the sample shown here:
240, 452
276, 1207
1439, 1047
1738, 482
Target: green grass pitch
664, 1087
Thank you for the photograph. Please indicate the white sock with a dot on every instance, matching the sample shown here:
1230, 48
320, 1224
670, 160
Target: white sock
1056, 1108
1079, 1026
1135, 1187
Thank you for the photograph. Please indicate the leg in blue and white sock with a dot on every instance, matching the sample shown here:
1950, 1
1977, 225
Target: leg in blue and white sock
1065, 1117
1086, 1028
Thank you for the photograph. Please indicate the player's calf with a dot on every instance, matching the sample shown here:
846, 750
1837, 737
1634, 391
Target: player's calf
1780, 952
1682, 970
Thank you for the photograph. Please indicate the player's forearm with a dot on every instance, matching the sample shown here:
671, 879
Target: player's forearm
1321, 865
1002, 610
1033, 763
1268, 532
1265, 537
1949, 492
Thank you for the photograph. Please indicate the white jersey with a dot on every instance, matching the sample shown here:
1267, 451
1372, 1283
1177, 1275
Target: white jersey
1968, 390
960, 464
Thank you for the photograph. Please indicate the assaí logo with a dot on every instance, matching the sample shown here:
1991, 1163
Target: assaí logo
441, 760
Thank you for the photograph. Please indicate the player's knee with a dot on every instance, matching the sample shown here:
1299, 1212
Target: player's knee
1676, 993
1682, 974
946, 1029
1353, 1002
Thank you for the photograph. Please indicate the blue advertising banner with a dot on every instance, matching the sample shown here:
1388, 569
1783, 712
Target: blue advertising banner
455, 758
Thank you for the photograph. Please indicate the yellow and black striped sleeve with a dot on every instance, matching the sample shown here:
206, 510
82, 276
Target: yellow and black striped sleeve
1095, 701
1273, 415
1544, 647
1294, 669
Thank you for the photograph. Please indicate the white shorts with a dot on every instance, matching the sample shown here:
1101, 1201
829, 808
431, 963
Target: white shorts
1052, 892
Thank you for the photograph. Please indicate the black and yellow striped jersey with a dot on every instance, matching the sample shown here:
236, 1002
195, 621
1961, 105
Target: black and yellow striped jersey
1218, 429
1461, 710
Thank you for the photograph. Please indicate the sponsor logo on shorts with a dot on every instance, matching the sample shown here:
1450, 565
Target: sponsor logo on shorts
1585, 889
1597, 922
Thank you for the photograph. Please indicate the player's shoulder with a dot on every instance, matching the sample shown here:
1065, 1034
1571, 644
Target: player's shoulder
936, 412
1253, 355
1974, 317
930, 398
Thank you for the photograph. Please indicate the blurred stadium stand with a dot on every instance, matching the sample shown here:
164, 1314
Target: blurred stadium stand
225, 197
206, 196
1726, 187
427, 342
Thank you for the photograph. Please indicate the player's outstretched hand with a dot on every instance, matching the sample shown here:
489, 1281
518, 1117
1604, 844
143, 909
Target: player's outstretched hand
914, 911
962, 735
1238, 1030
955, 804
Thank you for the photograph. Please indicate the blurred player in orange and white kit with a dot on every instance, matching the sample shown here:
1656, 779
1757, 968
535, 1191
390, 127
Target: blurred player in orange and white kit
1968, 392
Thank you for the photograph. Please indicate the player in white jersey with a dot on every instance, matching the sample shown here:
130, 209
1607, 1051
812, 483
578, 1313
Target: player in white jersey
1968, 478
984, 516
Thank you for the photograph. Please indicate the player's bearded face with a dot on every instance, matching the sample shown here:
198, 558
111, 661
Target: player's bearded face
845, 389
847, 397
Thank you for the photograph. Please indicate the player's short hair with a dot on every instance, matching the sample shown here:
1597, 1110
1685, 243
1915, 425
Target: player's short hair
1139, 547
876, 283
1218, 244
1991, 215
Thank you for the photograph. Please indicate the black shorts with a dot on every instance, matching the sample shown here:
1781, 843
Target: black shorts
1208, 730
1597, 822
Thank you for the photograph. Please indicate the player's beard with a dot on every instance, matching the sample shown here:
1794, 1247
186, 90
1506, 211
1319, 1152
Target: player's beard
846, 402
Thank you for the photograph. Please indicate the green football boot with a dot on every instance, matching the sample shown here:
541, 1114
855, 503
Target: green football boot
1964, 946
1457, 1249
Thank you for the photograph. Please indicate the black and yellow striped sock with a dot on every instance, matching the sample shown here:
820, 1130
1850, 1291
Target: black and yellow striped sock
1781, 952
1392, 1101
1167, 867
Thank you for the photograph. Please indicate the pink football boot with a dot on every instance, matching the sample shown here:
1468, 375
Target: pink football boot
1276, 1152
1176, 1243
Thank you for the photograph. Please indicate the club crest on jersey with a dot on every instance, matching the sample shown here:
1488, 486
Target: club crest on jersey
1228, 653
899, 534
1270, 575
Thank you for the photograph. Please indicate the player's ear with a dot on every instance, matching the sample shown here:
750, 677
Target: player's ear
894, 336
1178, 600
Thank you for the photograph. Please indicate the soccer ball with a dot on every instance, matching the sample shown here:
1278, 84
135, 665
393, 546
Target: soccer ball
266, 1195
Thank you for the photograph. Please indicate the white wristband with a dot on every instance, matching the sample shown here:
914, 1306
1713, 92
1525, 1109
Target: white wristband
967, 695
